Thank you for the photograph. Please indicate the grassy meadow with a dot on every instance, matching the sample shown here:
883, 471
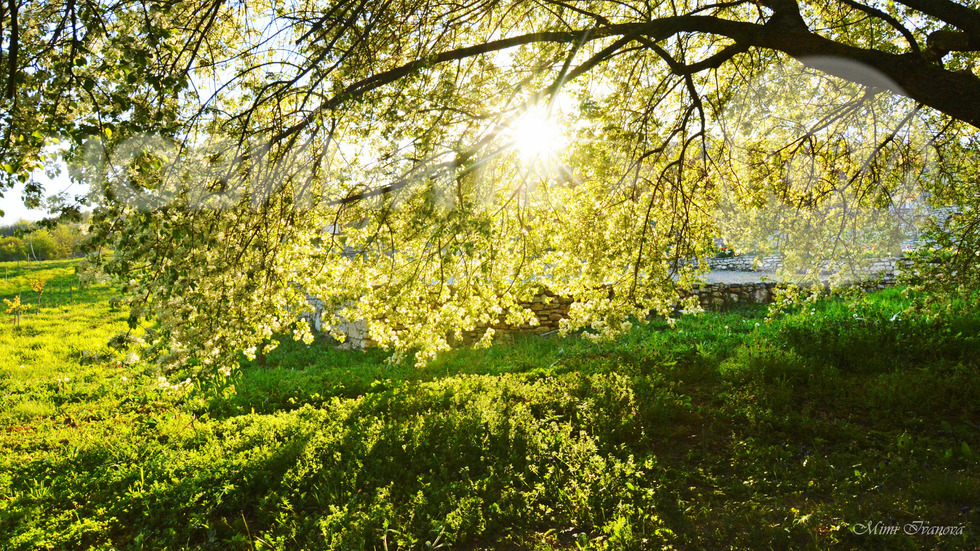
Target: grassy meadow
826, 428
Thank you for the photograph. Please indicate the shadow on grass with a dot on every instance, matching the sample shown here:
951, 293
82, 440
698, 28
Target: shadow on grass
153, 491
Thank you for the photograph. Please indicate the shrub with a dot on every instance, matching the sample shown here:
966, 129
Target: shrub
40, 245
12, 248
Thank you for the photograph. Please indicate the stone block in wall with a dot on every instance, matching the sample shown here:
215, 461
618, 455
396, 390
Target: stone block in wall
709, 296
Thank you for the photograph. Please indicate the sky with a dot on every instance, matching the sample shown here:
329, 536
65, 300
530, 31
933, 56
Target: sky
13, 207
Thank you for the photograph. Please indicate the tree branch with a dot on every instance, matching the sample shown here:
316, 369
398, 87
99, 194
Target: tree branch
917, 77
874, 12
957, 15
13, 51
785, 15
715, 60
941, 43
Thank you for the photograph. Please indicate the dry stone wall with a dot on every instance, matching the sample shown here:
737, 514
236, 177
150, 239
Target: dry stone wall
550, 309
772, 263
746, 263
547, 307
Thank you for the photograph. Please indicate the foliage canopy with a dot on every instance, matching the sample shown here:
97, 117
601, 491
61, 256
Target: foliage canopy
375, 154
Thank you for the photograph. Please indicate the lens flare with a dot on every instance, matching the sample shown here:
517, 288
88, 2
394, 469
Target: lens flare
536, 136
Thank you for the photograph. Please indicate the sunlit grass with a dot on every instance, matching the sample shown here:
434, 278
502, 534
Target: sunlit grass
72, 320
728, 432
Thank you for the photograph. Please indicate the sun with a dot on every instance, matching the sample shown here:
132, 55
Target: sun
536, 135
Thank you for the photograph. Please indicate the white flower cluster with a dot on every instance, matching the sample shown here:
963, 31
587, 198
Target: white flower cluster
178, 387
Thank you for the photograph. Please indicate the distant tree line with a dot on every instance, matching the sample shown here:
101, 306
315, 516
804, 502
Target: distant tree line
29, 241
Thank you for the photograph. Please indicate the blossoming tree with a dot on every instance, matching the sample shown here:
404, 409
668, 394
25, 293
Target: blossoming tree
427, 166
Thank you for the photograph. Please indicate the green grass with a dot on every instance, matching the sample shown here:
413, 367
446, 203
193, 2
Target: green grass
727, 432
